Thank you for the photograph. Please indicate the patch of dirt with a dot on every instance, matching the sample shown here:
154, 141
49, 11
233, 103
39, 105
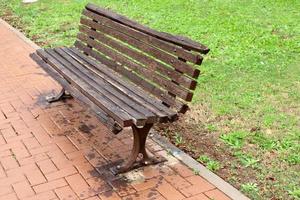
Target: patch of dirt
198, 140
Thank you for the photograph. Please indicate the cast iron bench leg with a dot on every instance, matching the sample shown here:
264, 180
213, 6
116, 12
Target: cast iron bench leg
61, 95
139, 148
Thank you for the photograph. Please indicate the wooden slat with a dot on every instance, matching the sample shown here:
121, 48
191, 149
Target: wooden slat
167, 58
151, 62
138, 118
164, 96
108, 71
148, 39
149, 74
179, 40
123, 118
103, 87
111, 124
126, 87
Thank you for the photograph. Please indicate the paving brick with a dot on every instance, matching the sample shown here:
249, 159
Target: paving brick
11, 180
86, 170
6, 108
43, 149
145, 184
61, 173
49, 195
5, 190
50, 185
66, 146
11, 196
110, 195
33, 159
8, 133
20, 152
145, 194
122, 187
2, 117
31, 171
154, 171
2, 141
35, 176
18, 138
40, 134
216, 195
168, 191
2, 172
75, 155
23, 189
199, 197
98, 185
47, 166
199, 185
31, 143
9, 162
95, 158
93, 198
80, 186
177, 181
5, 153
66, 193
61, 162
182, 170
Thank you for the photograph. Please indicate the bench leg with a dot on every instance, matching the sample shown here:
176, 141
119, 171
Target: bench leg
139, 148
61, 95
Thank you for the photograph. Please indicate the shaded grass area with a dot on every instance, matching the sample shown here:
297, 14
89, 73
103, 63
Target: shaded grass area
245, 118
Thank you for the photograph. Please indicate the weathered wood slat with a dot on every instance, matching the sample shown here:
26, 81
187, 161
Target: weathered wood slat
102, 86
149, 74
150, 40
178, 40
123, 118
137, 118
126, 85
111, 124
135, 93
142, 58
164, 96
168, 59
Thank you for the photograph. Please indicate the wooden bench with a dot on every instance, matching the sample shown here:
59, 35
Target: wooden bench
129, 74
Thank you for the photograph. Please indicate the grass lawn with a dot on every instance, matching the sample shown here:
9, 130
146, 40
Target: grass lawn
245, 118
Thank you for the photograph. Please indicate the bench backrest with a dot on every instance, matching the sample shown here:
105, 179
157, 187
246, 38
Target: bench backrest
162, 64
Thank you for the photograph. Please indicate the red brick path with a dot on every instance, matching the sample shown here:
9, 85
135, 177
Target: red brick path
61, 151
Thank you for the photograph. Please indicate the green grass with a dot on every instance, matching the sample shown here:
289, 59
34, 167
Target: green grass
250, 80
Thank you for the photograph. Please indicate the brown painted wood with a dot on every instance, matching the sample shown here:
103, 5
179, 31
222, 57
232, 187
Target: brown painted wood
137, 118
170, 48
135, 93
162, 95
178, 40
111, 124
148, 39
148, 74
166, 69
144, 47
102, 86
123, 118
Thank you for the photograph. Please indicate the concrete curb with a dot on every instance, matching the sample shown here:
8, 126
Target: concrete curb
19, 34
222, 185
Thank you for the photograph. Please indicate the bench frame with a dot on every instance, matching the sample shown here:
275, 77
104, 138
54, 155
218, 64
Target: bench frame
187, 77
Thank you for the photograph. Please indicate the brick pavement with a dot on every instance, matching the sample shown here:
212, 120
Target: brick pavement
61, 151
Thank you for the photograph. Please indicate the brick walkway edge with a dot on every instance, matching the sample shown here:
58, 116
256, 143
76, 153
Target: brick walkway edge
61, 151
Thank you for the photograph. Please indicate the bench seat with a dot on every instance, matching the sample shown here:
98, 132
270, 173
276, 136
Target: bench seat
125, 102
